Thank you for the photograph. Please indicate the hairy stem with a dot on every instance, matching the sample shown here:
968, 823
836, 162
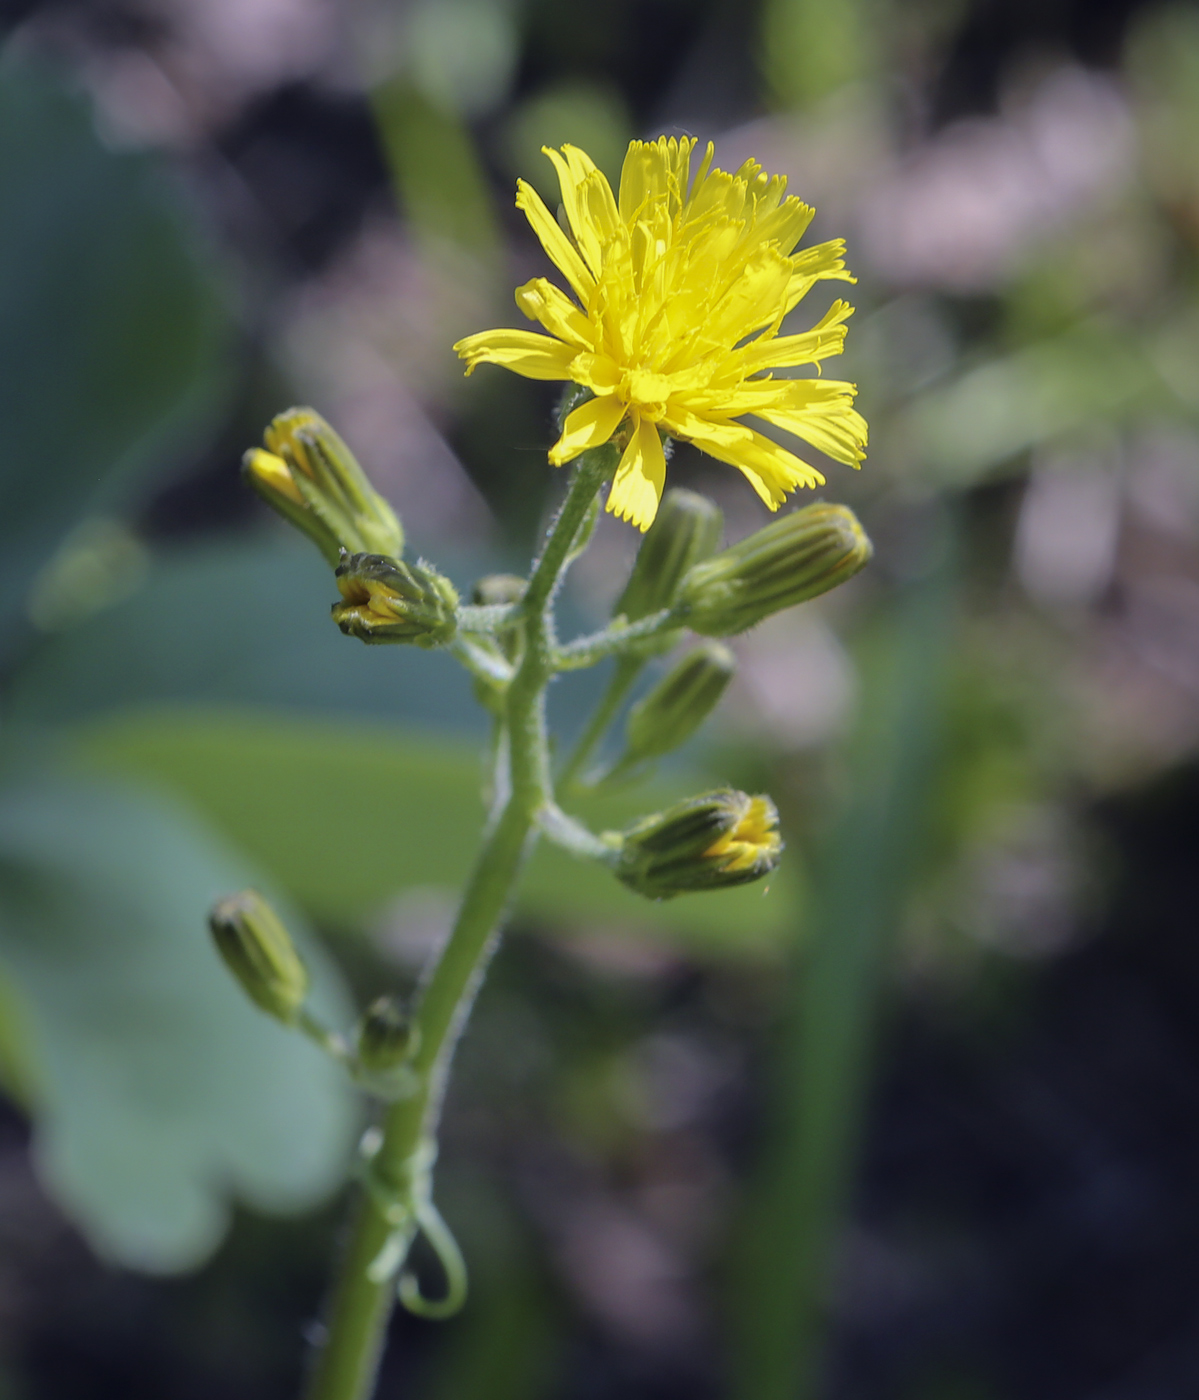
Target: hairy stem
363, 1297
587, 651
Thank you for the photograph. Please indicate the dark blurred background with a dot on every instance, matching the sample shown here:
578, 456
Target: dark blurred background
922, 1122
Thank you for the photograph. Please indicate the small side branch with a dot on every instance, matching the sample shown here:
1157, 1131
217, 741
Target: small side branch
587, 651
572, 835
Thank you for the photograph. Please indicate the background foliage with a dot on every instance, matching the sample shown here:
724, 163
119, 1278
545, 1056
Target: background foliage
919, 1121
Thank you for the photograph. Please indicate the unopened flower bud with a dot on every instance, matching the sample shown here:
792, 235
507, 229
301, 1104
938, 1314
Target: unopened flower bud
789, 561
709, 842
258, 950
386, 1036
678, 704
390, 601
311, 477
686, 529
498, 589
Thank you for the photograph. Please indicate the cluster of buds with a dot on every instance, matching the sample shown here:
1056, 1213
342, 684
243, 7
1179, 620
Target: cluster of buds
710, 842
681, 579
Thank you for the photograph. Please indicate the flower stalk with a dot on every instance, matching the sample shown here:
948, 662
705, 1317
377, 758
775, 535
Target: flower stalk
706, 319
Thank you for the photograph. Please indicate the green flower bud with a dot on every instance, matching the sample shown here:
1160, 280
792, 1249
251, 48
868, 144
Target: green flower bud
498, 589
386, 1036
789, 561
686, 529
311, 478
709, 842
678, 704
390, 601
258, 950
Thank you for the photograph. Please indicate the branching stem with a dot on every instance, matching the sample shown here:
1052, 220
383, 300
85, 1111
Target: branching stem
346, 1366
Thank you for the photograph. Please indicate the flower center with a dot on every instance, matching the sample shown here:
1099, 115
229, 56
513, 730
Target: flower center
647, 391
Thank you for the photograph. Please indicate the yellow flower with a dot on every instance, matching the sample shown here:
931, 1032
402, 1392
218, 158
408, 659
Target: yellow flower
681, 293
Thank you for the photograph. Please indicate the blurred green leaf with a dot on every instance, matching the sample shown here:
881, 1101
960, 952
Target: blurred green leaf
810, 49
159, 1089
113, 338
435, 168
461, 53
588, 115
347, 817
1092, 375
243, 622
822, 1071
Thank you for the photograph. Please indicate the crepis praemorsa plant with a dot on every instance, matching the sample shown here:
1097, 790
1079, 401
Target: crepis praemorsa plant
681, 284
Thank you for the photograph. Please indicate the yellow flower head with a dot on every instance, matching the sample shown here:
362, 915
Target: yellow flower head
682, 287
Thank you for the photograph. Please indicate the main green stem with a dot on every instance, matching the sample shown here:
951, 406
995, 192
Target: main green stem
346, 1366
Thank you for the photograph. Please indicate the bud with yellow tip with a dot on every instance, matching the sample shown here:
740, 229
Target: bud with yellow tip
258, 951
789, 561
710, 842
311, 478
386, 600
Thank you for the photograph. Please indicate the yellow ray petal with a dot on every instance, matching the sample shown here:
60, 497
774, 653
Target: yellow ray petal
754, 300
589, 425
598, 209
827, 337
840, 435
541, 301
640, 478
770, 469
825, 260
525, 352
570, 176
562, 252
757, 395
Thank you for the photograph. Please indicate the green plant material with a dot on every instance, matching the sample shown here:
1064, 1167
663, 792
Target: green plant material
275, 786
309, 475
100, 563
676, 707
504, 1346
710, 842
18, 1073
256, 948
686, 530
461, 54
385, 1036
494, 590
216, 649
114, 333
586, 114
387, 600
1094, 375
791, 560
160, 1091
435, 169
821, 1070
809, 49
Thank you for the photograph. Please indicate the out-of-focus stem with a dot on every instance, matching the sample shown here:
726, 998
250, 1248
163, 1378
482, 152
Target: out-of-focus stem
628, 668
